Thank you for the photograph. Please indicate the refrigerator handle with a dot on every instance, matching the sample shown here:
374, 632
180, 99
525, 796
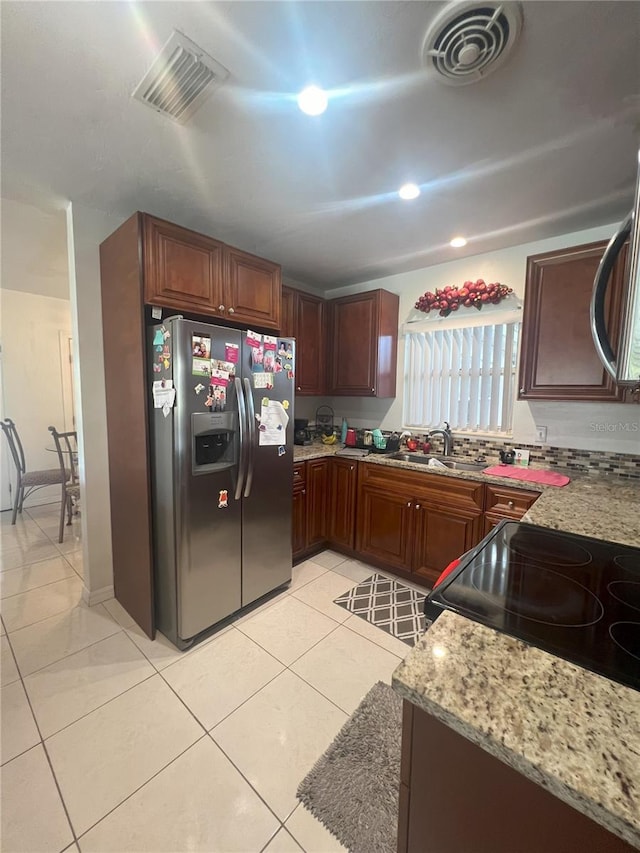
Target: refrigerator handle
598, 325
251, 418
244, 446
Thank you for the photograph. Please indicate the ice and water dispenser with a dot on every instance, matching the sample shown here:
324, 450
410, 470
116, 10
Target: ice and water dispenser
212, 441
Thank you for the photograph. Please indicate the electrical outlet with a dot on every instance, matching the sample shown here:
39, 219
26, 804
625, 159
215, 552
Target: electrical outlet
541, 434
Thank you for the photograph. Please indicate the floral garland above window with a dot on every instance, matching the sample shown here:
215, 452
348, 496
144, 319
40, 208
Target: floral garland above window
472, 294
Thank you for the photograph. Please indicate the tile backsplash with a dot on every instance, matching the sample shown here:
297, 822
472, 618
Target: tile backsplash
588, 461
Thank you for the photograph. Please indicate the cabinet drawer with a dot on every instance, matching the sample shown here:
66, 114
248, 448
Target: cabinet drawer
429, 488
509, 502
299, 475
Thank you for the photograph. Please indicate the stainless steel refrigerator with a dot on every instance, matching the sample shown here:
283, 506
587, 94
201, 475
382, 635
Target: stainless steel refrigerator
221, 429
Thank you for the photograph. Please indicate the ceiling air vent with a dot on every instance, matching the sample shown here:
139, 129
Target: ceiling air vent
180, 79
469, 40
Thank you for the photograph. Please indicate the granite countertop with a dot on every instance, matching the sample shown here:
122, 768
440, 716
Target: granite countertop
314, 451
571, 731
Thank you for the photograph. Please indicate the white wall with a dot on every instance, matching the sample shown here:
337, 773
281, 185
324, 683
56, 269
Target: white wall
568, 424
32, 372
34, 309
86, 229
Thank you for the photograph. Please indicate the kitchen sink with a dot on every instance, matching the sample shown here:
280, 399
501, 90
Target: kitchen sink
448, 462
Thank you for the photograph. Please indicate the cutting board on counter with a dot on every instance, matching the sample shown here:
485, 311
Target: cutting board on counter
531, 475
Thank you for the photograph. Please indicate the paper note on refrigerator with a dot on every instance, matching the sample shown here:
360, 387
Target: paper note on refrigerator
273, 424
164, 394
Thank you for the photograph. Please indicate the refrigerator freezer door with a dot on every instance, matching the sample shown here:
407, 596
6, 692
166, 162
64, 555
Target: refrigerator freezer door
267, 503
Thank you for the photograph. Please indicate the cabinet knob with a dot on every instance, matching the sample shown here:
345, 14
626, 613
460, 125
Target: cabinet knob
351, 467
231, 311
522, 390
510, 504
298, 388
373, 390
304, 491
408, 504
220, 307
417, 506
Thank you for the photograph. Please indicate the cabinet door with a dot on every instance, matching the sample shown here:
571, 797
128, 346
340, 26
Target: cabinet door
442, 535
317, 501
288, 313
354, 338
385, 529
253, 289
342, 507
490, 519
182, 269
558, 358
299, 522
310, 333
363, 344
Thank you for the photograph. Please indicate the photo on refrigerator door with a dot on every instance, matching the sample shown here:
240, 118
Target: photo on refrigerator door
201, 353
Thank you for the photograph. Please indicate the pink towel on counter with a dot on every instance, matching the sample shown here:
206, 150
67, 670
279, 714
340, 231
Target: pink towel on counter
549, 478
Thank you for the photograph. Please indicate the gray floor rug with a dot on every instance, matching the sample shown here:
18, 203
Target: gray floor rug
389, 605
353, 788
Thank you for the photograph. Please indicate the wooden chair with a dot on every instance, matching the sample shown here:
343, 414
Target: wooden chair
69, 473
26, 481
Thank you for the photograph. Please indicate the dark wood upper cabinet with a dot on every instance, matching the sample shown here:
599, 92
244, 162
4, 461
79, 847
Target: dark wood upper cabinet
303, 317
311, 350
182, 269
252, 289
363, 344
287, 312
558, 359
192, 272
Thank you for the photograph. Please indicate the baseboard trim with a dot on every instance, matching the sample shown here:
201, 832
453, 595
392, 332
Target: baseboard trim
97, 596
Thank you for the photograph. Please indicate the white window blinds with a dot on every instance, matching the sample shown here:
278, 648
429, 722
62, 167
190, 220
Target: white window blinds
465, 376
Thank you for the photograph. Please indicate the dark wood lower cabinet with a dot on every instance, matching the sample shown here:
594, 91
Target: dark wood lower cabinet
410, 523
343, 483
324, 500
442, 535
299, 517
456, 798
385, 528
416, 523
317, 501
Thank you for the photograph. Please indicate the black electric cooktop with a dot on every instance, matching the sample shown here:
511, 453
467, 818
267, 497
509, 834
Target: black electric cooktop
575, 597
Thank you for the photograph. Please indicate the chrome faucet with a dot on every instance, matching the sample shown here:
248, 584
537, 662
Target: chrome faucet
447, 438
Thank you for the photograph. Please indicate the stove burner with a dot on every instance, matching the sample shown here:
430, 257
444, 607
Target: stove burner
544, 547
540, 595
628, 561
628, 592
626, 635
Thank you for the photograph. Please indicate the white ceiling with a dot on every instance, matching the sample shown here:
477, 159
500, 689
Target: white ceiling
546, 145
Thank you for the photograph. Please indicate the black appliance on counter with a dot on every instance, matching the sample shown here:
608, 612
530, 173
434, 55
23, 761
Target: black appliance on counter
301, 431
573, 596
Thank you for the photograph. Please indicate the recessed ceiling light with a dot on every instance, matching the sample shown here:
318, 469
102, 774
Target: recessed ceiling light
458, 242
409, 191
313, 100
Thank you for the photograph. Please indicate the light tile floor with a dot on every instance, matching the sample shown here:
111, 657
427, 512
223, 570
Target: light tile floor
111, 742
